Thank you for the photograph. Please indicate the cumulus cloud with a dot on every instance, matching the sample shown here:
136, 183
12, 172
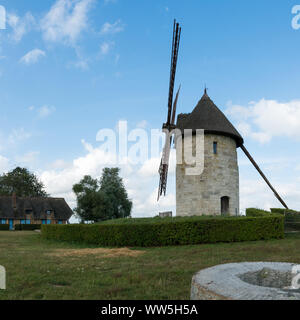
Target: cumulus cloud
61, 176
66, 20
255, 193
27, 159
32, 56
266, 119
112, 28
151, 166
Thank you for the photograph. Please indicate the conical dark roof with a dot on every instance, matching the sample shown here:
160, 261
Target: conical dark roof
209, 117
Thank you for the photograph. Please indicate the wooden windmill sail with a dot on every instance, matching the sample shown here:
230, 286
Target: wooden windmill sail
170, 124
205, 116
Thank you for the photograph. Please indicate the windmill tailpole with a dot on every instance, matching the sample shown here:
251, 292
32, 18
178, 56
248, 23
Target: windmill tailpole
263, 176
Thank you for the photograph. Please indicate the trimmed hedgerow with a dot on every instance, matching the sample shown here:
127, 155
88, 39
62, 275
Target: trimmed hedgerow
284, 211
254, 212
278, 210
27, 227
176, 232
4, 227
291, 218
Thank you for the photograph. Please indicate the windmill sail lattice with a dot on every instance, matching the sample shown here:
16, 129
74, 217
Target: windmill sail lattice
170, 124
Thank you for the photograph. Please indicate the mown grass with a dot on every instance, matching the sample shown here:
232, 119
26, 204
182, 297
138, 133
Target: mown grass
33, 272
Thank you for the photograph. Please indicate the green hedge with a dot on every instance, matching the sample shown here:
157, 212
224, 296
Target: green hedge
292, 220
175, 232
159, 219
27, 227
284, 211
4, 227
254, 212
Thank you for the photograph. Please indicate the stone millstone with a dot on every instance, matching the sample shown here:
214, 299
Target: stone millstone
245, 281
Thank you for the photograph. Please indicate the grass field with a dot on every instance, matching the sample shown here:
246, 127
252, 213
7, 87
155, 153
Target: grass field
40, 269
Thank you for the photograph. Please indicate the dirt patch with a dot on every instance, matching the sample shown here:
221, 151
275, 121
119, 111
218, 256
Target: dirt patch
106, 253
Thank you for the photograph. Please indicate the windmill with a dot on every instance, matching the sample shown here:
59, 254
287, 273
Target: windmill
217, 127
170, 124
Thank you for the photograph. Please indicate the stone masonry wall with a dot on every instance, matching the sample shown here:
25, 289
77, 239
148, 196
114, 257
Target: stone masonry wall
201, 194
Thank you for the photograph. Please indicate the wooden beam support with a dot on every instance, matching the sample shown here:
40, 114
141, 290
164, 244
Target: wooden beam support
263, 176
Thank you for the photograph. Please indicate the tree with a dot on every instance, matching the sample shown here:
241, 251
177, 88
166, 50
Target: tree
119, 206
22, 182
104, 199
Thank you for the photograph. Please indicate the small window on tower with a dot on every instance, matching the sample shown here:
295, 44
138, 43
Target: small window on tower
215, 147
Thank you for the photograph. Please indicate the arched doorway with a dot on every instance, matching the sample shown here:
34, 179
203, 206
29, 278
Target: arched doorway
225, 206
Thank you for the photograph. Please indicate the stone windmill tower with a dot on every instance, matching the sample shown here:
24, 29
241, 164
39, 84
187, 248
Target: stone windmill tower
214, 190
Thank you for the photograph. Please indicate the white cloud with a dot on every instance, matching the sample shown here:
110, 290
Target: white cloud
66, 20
81, 64
112, 28
28, 159
20, 26
255, 193
4, 164
13, 138
117, 58
45, 111
266, 119
61, 176
18, 135
151, 166
110, 1
32, 56
142, 124
59, 164
105, 48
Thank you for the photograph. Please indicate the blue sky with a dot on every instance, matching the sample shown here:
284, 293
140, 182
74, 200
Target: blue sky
70, 68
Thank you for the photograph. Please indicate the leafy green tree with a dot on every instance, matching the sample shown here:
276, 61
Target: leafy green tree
22, 182
118, 206
104, 199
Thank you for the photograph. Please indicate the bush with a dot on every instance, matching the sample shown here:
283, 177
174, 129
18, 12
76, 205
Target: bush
27, 227
178, 231
278, 210
254, 212
292, 220
4, 227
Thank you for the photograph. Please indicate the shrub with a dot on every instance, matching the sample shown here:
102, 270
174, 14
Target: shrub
278, 210
27, 227
178, 231
254, 212
4, 227
292, 220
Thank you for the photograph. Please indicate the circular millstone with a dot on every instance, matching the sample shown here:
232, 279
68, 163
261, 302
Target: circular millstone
245, 281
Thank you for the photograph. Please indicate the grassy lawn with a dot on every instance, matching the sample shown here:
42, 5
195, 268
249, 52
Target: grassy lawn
41, 269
